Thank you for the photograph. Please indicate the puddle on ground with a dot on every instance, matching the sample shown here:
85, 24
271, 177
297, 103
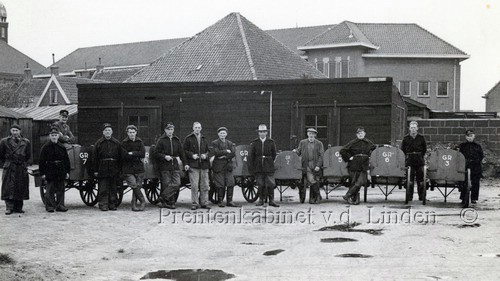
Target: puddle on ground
354, 256
350, 228
273, 252
189, 275
337, 240
251, 243
474, 225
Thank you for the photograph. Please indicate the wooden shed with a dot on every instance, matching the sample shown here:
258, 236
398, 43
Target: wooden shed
335, 107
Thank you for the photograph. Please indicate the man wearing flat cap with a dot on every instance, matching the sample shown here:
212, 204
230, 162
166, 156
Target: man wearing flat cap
415, 147
474, 156
15, 154
54, 168
169, 154
261, 163
66, 136
311, 150
357, 155
223, 152
107, 165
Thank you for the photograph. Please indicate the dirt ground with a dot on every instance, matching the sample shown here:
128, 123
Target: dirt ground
413, 242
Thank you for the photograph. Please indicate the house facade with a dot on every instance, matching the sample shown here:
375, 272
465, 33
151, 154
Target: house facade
493, 99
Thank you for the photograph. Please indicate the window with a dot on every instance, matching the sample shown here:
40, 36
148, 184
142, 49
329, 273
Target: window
405, 88
141, 122
318, 65
338, 67
53, 96
326, 67
3, 32
345, 67
423, 88
442, 89
320, 123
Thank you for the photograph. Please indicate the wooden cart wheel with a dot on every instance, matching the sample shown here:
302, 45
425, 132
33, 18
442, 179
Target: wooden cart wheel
43, 190
249, 190
408, 195
152, 190
88, 192
424, 190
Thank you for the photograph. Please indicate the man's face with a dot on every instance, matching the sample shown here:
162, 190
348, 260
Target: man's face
262, 134
361, 135
15, 132
63, 118
311, 135
197, 128
131, 133
169, 132
107, 132
470, 137
222, 134
413, 129
54, 137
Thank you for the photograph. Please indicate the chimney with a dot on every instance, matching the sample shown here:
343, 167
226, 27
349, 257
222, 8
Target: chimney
54, 69
27, 72
99, 68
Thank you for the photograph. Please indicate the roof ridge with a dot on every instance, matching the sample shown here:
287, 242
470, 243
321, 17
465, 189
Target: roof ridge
493, 88
320, 34
309, 26
247, 48
355, 33
437, 37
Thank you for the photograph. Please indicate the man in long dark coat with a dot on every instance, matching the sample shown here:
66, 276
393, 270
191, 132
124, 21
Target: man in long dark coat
474, 155
261, 157
223, 152
357, 154
54, 168
415, 147
15, 153
107, 167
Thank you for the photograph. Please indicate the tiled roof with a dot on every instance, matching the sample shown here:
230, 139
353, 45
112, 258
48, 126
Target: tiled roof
389, 39
231, 49
31, 88
46, 112
294, 37
492, 90
13, 61
68, 84
128, 54
9, 113
116, 75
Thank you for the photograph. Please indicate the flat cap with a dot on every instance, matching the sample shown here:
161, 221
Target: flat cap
221, 129
360, 129
169, 125
312, 130
54, 130
106, 125
64, 112
16, 126
469, 132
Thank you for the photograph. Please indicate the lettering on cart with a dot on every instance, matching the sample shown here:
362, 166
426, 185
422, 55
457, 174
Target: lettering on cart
84, 156
337, 154
387, 155
244, 154
447, 159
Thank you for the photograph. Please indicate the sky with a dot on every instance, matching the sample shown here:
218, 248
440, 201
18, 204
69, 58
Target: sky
39, 28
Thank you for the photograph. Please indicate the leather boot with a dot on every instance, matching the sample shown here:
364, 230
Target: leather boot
302, 194
270, 192
260, 193
312, 198
420, 189
229, 197
220, 196
411, 190
316, 194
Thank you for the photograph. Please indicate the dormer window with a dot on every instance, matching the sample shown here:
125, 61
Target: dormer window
53, 96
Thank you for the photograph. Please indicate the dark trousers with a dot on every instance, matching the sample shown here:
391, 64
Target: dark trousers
14, 205
107, 192
266, 184
170, 184
417, 173
474, 189
223, 180
54, 195
358, 179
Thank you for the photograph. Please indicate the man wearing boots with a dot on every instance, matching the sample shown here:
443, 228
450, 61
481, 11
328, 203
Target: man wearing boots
222, 167
415, 147
15, 153
474, 155
357, 155
196, 149
168, 152
261, 163
107, 167
133, 167
312, 151
54, 168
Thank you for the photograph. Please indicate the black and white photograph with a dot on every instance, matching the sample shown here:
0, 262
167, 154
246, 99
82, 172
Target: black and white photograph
249, 140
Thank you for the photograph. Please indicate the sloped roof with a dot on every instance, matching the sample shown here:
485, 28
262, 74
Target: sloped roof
46, 112
298, 36
232, 49
9, 113
31, 88
116, 75
129, 54
492, 90
68, 84
13, 61
389, 39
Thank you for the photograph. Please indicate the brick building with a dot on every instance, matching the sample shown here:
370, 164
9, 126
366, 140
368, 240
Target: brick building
493, 99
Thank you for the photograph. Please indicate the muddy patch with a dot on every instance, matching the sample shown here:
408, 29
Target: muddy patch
350, 228
354, 256
189, 275
337, 240
6, 259
251, 243
273, 252
486, 209
473, 225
